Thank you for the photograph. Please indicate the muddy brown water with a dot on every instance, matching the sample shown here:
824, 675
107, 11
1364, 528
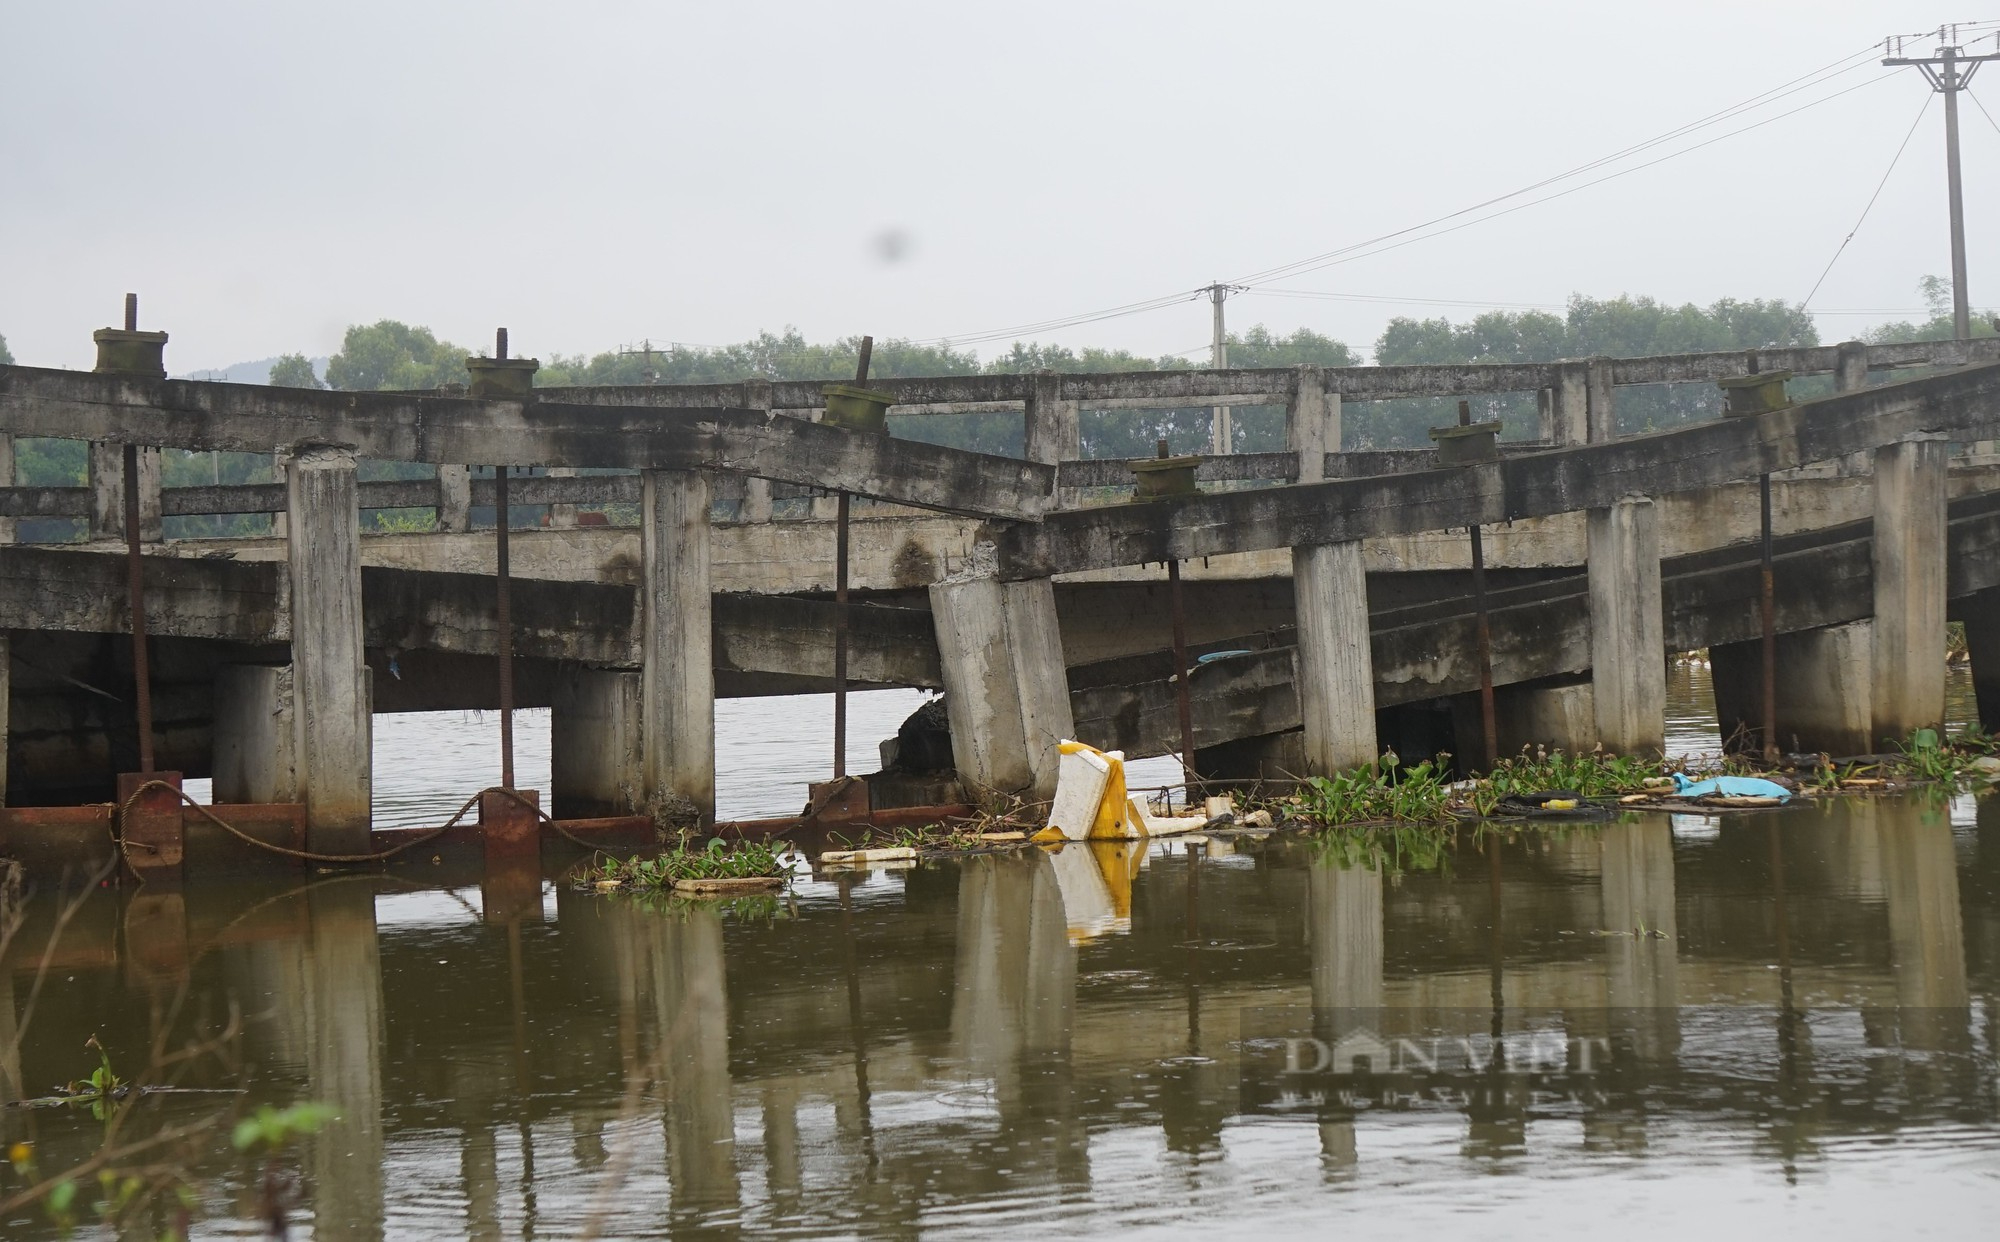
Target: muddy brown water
1743, 1024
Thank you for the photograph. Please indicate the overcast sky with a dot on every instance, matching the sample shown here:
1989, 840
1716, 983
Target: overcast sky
590, 174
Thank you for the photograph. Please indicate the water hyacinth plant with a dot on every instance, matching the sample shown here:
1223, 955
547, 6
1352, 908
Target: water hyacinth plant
1382, 791
719, 860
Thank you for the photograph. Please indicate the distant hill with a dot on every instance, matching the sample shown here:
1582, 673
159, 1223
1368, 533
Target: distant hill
258, 372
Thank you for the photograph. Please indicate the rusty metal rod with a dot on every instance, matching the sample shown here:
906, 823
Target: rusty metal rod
1768, 609
504, 619
840, 640
1182, 704
142, 672
843, 514
1483, 643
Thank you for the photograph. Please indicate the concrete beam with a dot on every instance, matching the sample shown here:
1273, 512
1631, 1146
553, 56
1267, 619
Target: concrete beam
124, 409
329, 672
1591, 476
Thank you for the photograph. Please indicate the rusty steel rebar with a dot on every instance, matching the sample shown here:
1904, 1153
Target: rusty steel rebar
1482, 631
1183, 705
1767, 604
503, 618
503, 610
843, 513
135, 577
840, 639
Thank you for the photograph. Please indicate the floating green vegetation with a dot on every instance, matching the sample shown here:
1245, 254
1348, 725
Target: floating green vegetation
924, 838
1596, 774
1384, 791
1929, 757
719, 860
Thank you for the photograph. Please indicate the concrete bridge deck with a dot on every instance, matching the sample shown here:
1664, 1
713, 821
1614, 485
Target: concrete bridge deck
1342, 573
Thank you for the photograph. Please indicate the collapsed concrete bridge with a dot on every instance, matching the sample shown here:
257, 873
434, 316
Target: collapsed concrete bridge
991, 578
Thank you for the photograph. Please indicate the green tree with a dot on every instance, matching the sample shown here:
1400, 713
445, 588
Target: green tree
294, 371
388, 355
1621, 327
1936, 293
6, 357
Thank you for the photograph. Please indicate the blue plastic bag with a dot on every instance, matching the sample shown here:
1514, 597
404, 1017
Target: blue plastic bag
1730, 786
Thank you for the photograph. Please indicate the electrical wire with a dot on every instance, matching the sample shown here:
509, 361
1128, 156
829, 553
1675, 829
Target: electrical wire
1394, 301
1820, 76
1893, 161
1967, 92
1826, 73
1069, 321
1507, 211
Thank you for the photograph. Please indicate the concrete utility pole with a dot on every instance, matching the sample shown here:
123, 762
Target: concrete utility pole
1949, 71
1221, 434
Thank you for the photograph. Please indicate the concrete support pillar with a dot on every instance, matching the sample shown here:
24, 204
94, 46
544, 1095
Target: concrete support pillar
7, 480
1824, 683
107, 492
677, 680
6, 715
1312, 422
561, 516
1565, 408
1336, 668
329, 675
1006, 689
455, 498
1909, 565
597, 752
1850, 367
756, 492
1053, 429
1627, 629
1601, 401
255, 750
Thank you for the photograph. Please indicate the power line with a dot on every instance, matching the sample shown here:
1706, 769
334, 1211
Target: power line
1817, 77
1071, 321
1330, 296
1894, 160
1983, 112
1825, 73
1506, 211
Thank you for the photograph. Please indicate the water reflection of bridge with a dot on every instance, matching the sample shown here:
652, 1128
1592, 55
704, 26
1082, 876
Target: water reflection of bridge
900, 1048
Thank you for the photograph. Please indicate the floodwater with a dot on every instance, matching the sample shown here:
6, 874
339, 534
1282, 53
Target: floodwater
1734, 1025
